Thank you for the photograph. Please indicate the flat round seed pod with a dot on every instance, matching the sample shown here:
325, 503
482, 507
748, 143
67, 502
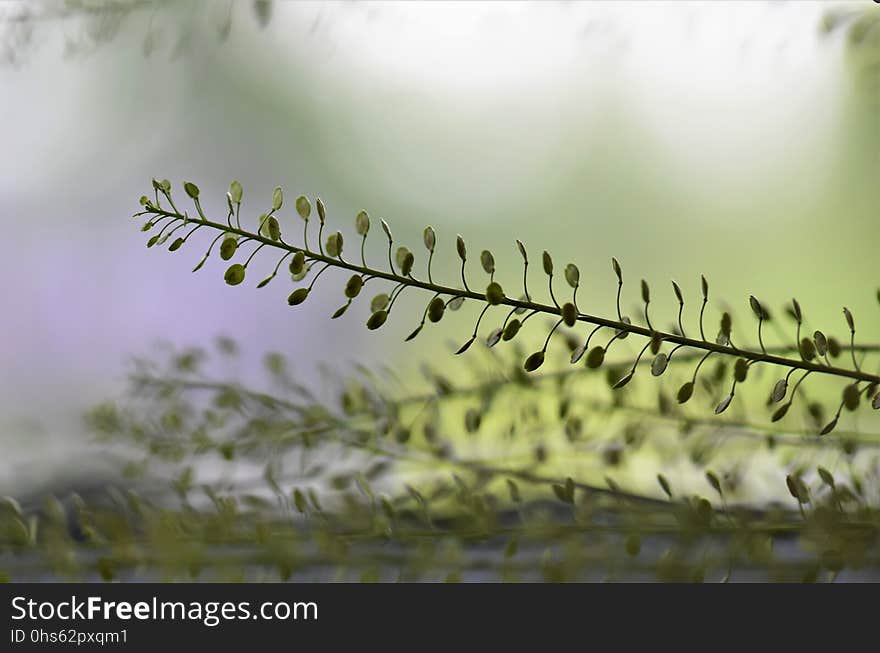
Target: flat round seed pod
297, 263
494, 293
436, 309
298, 296
596, 357
569, 314
534, 361
228, 247
511, 329
377, 319
234, 274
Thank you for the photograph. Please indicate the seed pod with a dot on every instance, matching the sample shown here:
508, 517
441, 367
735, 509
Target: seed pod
723, 404
494, 337
298, 296
796, 310
277, 198
646, 292
851, 396
362, 223
379, 302
334, 244
522, 251
487, 261
596, 357
677, 292
808, 349
617, 271
175, 245
353, 286
228, 247
429, 238
826, 476
569, 314
191, 189
303, 207
685, 392
455, 304
622, 381
234, 274
705, 287
511, 329
466, 345
405, 260
494, 293
339, 312
377, 319
779, 390
534, 361
849, 319
756, 307
713, 481
875, 403
726, 325
780, 412
460, 247
273, 228
436, 309
322, 212
656, 342
235, 192
297, 263
547, 261
740, 370
834, 347
572, 275
658, 365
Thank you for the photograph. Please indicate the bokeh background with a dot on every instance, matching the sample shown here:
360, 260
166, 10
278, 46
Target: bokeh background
736, 139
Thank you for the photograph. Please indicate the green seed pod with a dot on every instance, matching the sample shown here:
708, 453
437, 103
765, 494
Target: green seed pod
235, 191
834, 347
656, 342
622, 381
334, 244
740, 370
756, 307
362, 223
826, 476
821, 343
175, 245
297, 263
677, 292
386, 229
780, 412
152, 241
277, 198
658, 365
303, 207
404, 259
494, 337
726, 325
723, 404
455, 304
322, 212
234, 274
547, 261
617, 271
273, 228
436, 309
354, 285
596, 357
379, 302
429, 238
191, 189
522, 251
704, 285
685, 392
849, 319
572, 275
298, 296
487, 261
808, 349
851, 396
494, 293
646, 292
511, 329
460, 247
377, 319
875, 403
569, 314
534, 361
